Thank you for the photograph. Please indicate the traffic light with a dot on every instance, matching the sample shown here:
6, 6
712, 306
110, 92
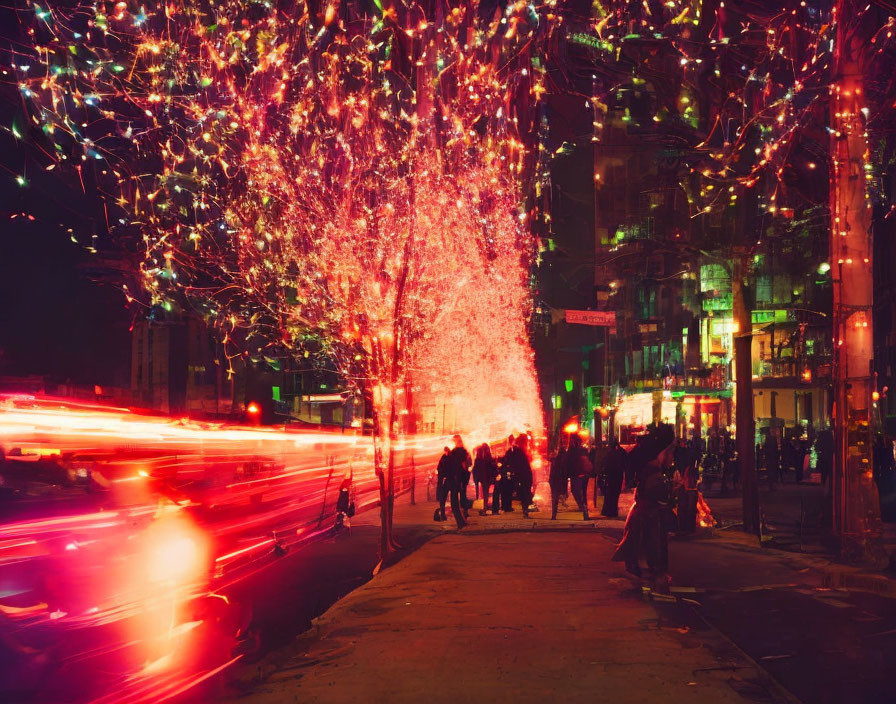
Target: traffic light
253, 412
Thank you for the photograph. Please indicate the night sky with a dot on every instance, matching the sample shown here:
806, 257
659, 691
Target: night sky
54, 320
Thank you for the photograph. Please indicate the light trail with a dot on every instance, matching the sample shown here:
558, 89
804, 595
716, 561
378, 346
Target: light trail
157, 517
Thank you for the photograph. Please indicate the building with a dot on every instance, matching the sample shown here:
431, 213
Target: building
663, 275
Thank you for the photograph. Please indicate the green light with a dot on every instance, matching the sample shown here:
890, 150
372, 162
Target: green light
569, 385
824, 268
21, 181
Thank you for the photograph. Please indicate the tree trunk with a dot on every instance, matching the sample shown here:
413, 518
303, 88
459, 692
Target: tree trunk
743, 377
856, 507
390, 467
384, 477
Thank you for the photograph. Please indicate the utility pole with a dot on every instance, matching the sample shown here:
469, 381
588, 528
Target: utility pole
856, 508
745, 437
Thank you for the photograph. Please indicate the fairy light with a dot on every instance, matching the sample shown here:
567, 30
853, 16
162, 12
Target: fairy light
290, 176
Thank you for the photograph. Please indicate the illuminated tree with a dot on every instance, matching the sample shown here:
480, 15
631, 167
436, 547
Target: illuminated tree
318, 177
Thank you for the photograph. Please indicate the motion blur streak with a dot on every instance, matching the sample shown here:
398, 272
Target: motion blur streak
147, 523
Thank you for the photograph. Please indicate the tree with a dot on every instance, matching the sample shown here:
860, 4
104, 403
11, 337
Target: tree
856, 506
739, 91
323, 179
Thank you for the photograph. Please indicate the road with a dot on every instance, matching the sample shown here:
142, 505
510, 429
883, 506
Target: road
134, 549
131, 586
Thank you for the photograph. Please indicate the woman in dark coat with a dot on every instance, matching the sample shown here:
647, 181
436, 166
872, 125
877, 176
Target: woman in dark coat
484, 470
557, 479
645, 528
517, 462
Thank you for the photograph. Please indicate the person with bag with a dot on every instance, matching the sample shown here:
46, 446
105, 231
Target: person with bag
579, 470
345, 507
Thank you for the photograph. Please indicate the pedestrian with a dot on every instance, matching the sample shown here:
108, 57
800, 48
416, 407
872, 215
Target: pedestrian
634, 461
645, 532
557, 479
345, 507
772, 458
484, 470
517, 462
503, 500
578, 469
458, 477
442, 474
599, 461
687, 494
614, 472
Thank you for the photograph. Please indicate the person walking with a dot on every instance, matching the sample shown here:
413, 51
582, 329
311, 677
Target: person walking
578, 469
458, 477
557, 478
645, 530
484, 470
615, 468
506, 481
442, 474
517, 462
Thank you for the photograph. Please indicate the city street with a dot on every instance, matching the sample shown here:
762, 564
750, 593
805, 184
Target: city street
519, 588
284, 286
743, 624
526, 615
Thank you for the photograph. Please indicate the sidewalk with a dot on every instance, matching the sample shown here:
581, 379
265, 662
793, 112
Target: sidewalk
530, 615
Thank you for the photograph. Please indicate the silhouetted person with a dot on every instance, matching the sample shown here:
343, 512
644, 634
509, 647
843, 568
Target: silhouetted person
772, 458
614, 473
645, 528
517, 461
557, 478
485, 468
442, 474
578, 468
345, 507
503, 500
458, 476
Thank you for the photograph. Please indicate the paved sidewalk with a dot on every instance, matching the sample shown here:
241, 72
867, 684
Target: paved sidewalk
517, 616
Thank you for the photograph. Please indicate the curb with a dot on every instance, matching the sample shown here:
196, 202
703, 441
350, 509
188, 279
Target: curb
867, 582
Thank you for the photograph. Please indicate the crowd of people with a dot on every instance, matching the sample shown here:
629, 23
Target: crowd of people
497, 480
665, 473
661, 472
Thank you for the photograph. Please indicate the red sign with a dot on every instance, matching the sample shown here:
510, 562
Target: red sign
591, 317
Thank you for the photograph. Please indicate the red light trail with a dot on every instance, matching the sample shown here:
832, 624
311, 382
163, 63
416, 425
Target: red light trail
167, 515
